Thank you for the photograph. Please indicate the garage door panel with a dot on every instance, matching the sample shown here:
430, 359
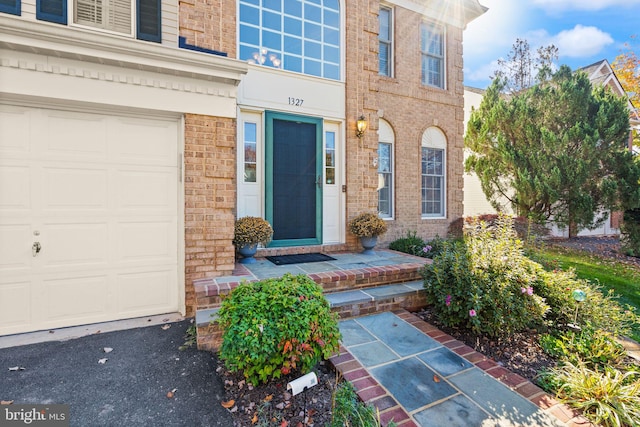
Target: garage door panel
75, 245
78, 136
75, 298
70, 189
145, 190
147, 241
100, 193
144, 292
15, 189
15, 248
146, 142
15, 124
15, 310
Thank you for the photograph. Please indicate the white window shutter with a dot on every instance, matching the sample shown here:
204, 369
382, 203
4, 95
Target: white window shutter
112, 15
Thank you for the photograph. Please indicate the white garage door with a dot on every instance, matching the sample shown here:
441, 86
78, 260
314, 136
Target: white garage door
98, 195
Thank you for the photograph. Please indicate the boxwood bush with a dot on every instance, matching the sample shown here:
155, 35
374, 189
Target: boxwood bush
275, 326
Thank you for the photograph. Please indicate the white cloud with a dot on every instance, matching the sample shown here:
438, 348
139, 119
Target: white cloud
581, 41
553, 6
480, 75
495, 29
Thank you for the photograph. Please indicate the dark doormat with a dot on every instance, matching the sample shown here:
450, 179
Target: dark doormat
299, 259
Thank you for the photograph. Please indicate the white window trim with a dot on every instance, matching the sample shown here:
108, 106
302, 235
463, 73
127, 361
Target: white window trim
433, 137
392, 28
443, 29
386, 136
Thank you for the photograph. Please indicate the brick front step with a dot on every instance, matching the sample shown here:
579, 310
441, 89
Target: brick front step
209, 292
352, 303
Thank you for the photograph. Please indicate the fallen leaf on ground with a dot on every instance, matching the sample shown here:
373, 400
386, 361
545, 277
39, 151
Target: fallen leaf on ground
170, 394
16, 368
255, 418
166, 326
268, 398
6, 402
228, 404
107, 349
102, 361
284, 423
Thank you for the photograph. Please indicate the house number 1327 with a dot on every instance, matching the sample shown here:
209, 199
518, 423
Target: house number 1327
296, 101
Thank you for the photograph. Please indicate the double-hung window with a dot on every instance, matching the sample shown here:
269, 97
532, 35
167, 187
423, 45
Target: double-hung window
139, 18
432, 53
385, 41
433, 162
385, 169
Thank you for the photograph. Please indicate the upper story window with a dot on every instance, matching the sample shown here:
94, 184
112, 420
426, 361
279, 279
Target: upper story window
112, 15
294, 35
432, 53
139, 18
385, 169
385, 39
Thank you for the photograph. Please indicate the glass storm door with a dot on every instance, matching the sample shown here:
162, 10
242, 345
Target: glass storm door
293, 172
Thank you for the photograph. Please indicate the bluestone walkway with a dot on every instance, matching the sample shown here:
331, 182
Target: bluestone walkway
418, 376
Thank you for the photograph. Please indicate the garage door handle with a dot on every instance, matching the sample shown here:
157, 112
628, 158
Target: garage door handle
35, 248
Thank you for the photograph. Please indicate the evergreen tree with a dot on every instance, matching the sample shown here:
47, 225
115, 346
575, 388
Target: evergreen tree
556, 151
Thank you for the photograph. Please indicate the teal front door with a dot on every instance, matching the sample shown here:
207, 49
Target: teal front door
293, 173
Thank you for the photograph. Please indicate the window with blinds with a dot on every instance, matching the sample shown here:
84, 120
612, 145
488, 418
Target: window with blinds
112, 15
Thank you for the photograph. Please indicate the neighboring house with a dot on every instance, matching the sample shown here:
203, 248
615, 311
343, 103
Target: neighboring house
475, 202
134, 133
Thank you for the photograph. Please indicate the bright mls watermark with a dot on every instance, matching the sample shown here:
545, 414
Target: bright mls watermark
34, 415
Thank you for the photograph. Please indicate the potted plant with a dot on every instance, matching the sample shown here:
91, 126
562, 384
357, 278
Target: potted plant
247, 233
368, 226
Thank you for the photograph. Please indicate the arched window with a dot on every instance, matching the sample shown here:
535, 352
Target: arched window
385, 169
434, 172
294, 35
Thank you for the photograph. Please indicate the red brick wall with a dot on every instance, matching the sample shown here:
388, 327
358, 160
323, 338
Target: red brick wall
410, 108
209, 24
210, 199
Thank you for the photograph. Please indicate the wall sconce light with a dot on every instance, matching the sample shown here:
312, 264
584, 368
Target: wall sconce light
361, 126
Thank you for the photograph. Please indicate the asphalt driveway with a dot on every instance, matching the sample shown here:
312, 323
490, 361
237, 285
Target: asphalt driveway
129, 389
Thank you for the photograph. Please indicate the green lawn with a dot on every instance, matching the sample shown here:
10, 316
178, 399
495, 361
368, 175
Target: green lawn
624, 279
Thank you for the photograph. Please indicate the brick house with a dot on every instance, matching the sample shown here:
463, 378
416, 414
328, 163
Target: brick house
134, 133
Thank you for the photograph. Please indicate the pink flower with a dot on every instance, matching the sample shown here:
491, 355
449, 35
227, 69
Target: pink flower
426, 249
529, 290
447, 300
523, 290
472, 313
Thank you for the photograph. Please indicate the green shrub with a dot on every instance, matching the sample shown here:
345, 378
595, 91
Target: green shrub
600, 310
630, 232
414, 245
608, 397
596, 348
410, 244
485, 283
275, 326
348, 410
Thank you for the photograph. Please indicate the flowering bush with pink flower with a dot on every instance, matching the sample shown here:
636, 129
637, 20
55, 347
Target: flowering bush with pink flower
486, 283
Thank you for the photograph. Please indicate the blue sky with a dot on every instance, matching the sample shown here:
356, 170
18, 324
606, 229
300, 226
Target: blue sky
585, 31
